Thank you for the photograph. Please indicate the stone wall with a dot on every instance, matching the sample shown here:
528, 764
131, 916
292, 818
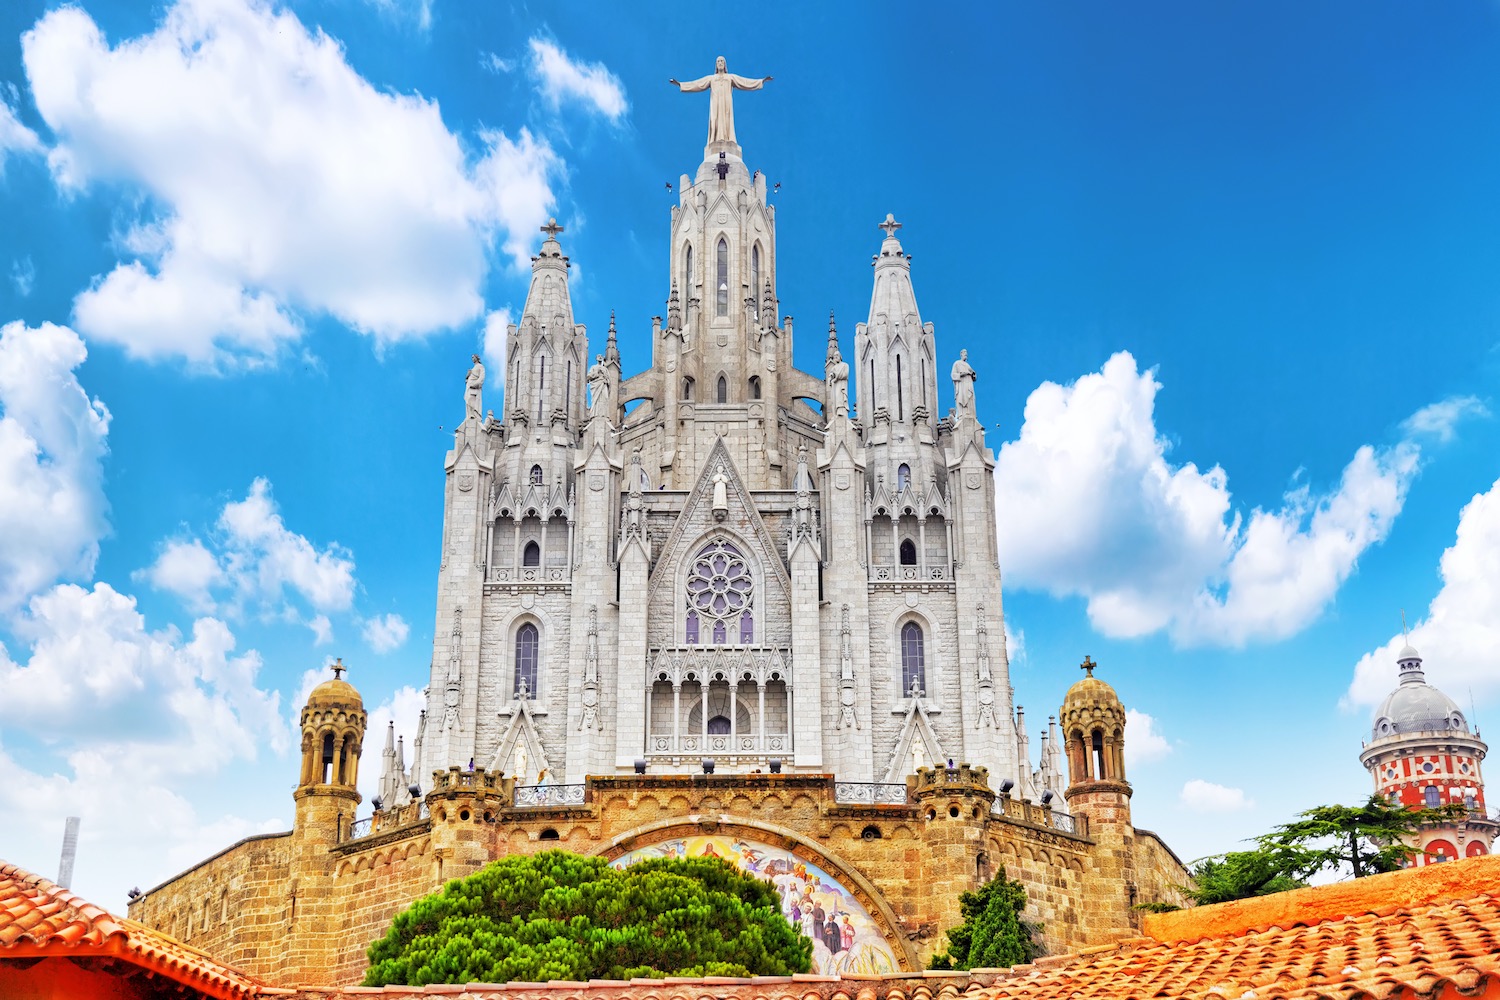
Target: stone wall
907, 864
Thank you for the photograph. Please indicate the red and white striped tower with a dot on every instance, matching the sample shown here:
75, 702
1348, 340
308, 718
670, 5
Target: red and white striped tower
1422, 753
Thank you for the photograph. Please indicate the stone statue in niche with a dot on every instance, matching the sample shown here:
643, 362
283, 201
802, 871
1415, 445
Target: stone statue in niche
964, 378
473, 384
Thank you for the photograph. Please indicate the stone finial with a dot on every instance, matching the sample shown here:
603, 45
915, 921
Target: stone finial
890, 225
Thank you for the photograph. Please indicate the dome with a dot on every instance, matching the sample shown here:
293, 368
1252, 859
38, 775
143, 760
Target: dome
1091, 693
1417, 707
335, 692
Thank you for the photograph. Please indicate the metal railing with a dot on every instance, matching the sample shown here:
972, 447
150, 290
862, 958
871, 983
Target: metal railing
359, 828
1040, 815
869, 793
549, 795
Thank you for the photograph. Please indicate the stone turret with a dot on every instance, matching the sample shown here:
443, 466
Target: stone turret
333, 733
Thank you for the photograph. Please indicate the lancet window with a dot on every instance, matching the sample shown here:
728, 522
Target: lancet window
528, 656
721, 281
720, 596
913, 659
755, 277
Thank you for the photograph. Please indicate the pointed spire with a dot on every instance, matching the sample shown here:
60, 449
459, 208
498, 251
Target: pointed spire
833, 357
390, 737
768, 307
611, 346
804, 478
674, 310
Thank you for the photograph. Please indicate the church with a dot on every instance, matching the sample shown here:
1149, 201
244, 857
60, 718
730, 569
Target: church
718, 606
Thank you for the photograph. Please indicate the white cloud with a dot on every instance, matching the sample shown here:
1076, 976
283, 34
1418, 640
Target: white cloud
386, 632
52, 446
1143, 741
561, 78
1438, 420
14, 137
1459, 635
322, 629
188, 569
1205, 796
264, 558
1090, 506
495, 64
282, 184
418, 13
147, 703
496, 323
23, 275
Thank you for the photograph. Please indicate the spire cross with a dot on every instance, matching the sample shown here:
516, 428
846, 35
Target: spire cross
1088, 665
890, 225
552, 229
338, 668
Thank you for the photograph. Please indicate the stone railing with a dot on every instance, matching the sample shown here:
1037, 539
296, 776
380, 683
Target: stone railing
456, 777
1041, 815
869, 793
913, 574
720, 744
527, 796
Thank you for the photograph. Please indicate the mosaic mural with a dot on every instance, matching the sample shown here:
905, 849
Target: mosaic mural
846, 939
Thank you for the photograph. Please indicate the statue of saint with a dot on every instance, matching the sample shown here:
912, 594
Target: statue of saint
721, 85
964, 378
598, 387
837, 374
473, 383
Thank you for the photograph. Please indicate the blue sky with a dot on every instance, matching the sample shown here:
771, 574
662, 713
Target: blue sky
1227, 273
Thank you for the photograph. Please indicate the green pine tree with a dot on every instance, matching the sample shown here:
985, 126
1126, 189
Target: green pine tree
558, 915
992, 935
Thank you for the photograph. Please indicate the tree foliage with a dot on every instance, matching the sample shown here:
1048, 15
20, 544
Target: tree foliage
992, 935
558, 915
1364, 839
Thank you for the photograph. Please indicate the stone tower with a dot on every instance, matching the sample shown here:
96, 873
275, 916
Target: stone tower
333, 733
1093, 725
1422, 753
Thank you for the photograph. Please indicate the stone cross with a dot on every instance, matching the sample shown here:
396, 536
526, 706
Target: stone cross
1088, 665
890, 225
338, 668
552, 229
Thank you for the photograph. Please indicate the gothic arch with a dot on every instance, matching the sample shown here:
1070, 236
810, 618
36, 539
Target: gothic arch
547, 639
754, 558
937, 668
860, 887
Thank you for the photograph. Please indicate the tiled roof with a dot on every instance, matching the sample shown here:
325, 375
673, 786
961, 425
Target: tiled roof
41, 919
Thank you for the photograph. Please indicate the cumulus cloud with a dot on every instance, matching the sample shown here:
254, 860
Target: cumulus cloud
1152, 545
14, 137
384, 633
187, 568
1143, 741
496, 323
560, 78
279, 184
151, 703
1205, 796
52, 447
1459, 635
265, 558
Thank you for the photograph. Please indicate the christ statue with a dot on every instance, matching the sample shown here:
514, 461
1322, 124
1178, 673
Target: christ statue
721, 85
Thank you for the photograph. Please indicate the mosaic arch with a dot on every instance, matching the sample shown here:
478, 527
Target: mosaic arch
847, 940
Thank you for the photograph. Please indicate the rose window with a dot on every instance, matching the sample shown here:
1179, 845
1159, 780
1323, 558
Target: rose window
720, 596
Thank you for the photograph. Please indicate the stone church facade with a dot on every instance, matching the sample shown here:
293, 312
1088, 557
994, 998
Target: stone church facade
722, 606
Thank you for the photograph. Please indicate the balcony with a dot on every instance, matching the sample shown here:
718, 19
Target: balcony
909, 574
719, 745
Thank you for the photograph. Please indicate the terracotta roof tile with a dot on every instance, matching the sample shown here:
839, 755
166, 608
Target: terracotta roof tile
39, 918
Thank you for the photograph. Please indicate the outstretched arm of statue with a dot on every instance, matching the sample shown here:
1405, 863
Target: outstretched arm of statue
745, 82
693, 85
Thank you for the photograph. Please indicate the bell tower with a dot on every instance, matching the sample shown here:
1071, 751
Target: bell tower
333, 733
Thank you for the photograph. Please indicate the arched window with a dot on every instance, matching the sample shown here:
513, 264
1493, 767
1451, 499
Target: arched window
1096, 753
755, 277
536, 475
908, 552
721, 392
913, 660
568, 389
718, 726
687, 267
721, 281
327, 759
754, 386
903, 476
528, 651
531, 555
873, 404
687, 388
1431, 797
